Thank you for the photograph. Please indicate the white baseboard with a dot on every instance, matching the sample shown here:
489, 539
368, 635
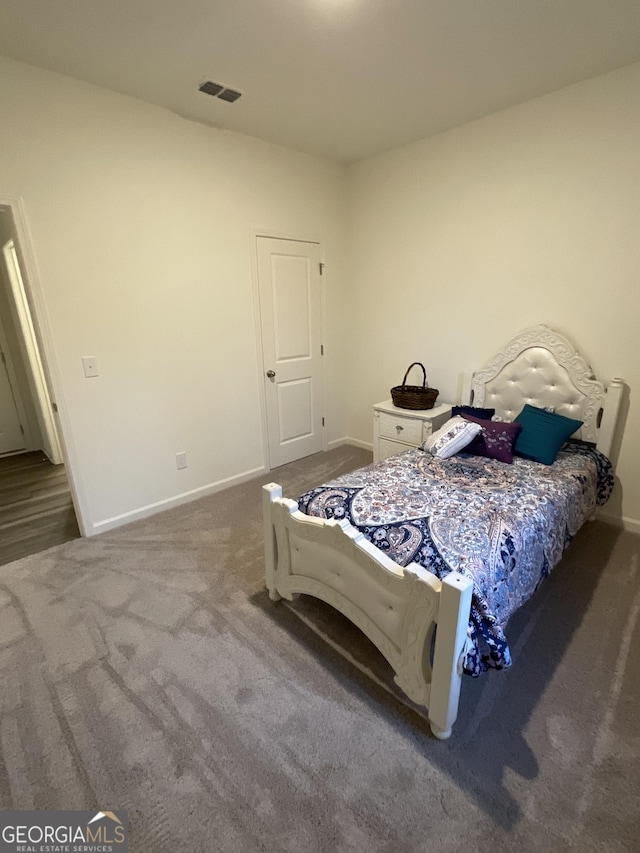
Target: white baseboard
631, 525
177, 500
194, 494
340, 442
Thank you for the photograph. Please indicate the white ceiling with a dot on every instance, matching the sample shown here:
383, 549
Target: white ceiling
343, 79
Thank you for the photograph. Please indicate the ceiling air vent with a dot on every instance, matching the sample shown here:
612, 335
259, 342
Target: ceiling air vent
229, 95
218, 91
210, 88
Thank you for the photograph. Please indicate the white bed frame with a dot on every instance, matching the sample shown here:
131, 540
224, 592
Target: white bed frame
399, 608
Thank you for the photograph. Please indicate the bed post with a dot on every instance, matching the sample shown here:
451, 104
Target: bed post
270, 493
467, 392
451, 635
610, 411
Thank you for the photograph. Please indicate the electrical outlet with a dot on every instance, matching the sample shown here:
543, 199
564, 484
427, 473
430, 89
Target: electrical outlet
90, 365
181, 460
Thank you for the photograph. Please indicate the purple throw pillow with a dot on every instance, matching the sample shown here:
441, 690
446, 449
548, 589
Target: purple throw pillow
496, 440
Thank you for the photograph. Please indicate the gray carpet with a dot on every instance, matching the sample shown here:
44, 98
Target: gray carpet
147, 670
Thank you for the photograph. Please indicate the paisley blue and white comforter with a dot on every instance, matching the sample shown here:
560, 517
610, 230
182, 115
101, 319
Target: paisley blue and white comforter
503, 526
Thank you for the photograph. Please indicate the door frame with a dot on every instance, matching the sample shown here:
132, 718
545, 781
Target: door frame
44, 340
282, 234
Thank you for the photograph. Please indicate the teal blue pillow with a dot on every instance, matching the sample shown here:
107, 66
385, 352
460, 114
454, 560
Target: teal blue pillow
543, 434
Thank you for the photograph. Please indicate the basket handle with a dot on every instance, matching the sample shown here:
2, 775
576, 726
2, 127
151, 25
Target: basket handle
424, 373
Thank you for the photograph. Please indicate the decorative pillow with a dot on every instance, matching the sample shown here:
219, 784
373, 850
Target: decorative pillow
496, 439
450, 438
543, 434
485, 414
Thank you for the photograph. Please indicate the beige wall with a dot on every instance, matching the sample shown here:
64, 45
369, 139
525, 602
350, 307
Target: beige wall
531, 215
141, 227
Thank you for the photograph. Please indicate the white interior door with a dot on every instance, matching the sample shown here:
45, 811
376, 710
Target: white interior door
11, 435
290, 312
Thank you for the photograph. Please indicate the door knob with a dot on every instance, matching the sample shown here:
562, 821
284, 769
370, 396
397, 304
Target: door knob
271, 373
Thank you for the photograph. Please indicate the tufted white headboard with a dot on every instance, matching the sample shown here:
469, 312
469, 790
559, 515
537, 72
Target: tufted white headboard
541, 367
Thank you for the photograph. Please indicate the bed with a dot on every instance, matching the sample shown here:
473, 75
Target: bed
431, 551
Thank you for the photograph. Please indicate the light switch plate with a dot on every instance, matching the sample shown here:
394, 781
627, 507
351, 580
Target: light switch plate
90, 364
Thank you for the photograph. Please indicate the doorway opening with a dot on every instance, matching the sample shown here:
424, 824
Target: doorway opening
36, 502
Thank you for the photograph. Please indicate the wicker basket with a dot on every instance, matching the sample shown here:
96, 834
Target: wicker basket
414, 396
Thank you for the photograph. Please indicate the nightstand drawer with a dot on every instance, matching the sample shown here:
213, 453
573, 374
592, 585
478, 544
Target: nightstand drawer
408, 430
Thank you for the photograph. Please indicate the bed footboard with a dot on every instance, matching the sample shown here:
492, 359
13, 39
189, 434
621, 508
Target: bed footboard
397, 608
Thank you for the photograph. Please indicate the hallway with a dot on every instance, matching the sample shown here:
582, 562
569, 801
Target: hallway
36, 511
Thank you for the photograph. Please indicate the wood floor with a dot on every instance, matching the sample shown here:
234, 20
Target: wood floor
36, 511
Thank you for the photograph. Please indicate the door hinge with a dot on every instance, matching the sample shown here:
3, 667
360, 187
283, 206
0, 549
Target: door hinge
21, 429
321, 349
4, 360
54, 406
321, 265
323, 422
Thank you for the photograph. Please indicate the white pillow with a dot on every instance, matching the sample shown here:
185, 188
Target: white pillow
452, 437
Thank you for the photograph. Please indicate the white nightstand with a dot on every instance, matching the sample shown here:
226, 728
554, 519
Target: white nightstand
396, 430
